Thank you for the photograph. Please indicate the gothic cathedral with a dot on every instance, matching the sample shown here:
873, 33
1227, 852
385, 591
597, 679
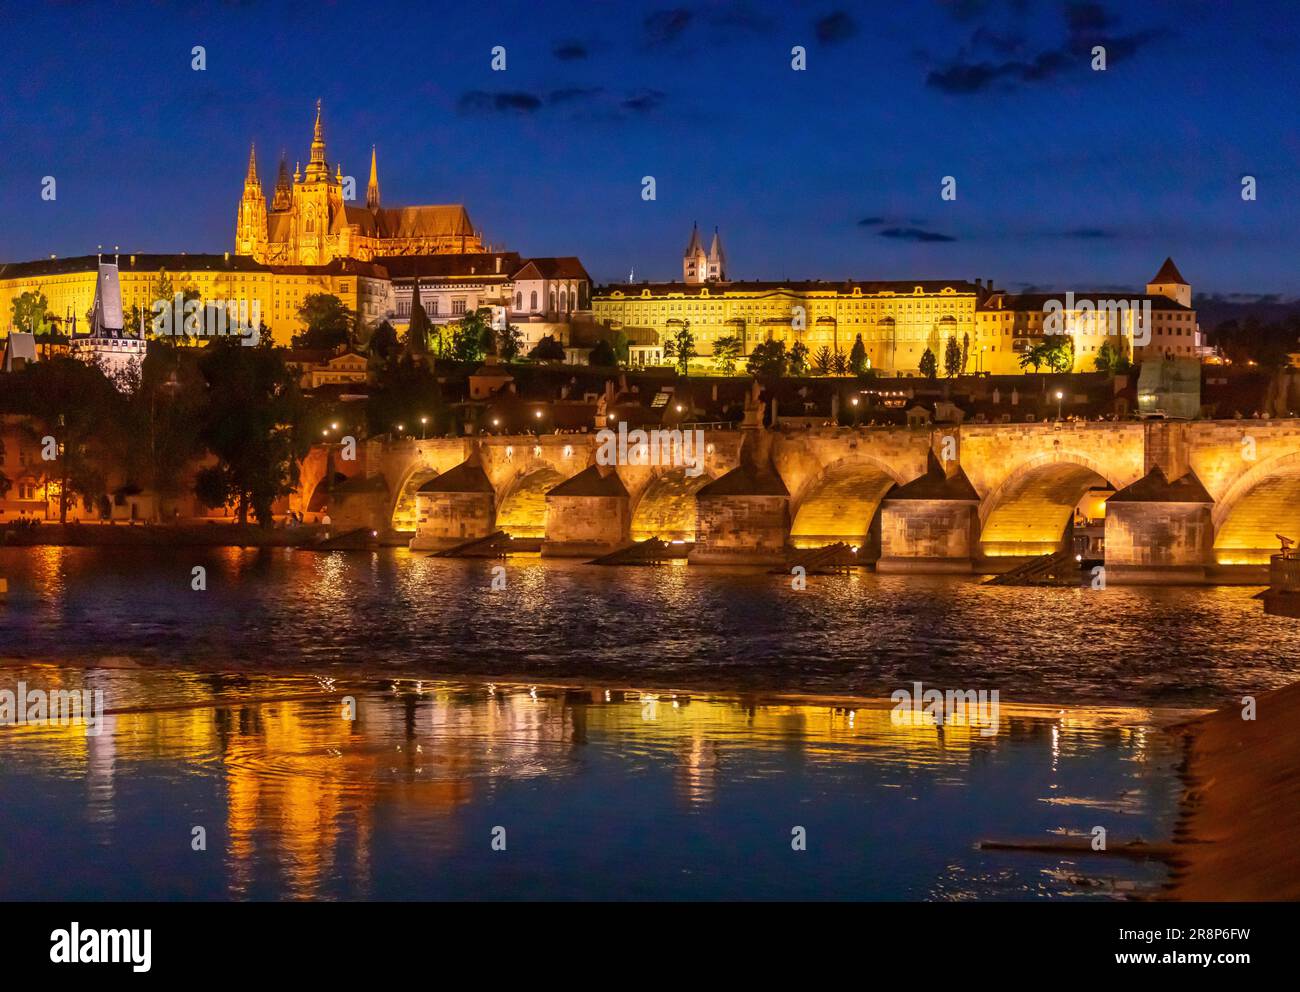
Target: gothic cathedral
310, 223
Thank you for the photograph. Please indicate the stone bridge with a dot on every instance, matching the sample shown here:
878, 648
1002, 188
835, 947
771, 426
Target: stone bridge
1182, 500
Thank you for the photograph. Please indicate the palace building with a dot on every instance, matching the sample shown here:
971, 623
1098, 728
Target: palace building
897, 320
308, 221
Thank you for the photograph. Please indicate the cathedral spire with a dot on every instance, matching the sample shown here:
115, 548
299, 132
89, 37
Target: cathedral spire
372, 191
251, 178
283, 198
318, 168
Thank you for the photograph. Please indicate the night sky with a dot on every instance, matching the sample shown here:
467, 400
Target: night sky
1065, 176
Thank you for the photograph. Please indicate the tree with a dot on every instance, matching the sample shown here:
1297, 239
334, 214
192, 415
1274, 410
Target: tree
929, 366
1112, 358
602, 355
858, 356
161, 421
839, 364
31, 312
405, 392
547, 350
822, 361
510, 341
329, 323
965, 352
1032, 357
767, 360
798, 359
473, 337
726, 353
681, 348
951, 358
252, 425
1059, 355
74, 403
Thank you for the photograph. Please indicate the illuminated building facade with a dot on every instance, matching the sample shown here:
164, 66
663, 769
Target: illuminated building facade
310, 222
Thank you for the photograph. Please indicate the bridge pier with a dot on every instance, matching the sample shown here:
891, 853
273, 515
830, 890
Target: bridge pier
588, 515
930, 525
1159, 532
742, 518
454, 507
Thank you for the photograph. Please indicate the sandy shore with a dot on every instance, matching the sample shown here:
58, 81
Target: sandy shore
1239, 834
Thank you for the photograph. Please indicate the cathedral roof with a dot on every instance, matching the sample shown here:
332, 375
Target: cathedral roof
449, 220
1169, 274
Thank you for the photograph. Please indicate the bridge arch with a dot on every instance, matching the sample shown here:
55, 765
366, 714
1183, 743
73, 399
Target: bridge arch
667, 508
404, 515
840, 503
1027, 513
522, 512
1262, 503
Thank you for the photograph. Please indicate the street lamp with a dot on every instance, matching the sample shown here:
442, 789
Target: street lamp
423, 421
399, 431
1059, 396
854, 402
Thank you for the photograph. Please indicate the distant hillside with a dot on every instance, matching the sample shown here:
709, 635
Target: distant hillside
1214, 309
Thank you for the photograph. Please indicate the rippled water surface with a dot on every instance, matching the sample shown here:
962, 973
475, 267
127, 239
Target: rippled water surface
734, 630
595, 793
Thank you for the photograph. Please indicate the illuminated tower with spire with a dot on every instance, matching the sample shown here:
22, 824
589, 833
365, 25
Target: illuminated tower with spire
372, 190
250, 228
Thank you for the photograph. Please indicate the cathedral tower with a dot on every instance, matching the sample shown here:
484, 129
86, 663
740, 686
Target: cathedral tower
250, 228
695, 264
717, 259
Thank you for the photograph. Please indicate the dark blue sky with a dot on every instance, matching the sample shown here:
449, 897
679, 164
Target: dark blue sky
1065, 176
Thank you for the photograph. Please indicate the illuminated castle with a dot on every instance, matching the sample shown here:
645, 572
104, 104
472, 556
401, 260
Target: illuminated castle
310, 223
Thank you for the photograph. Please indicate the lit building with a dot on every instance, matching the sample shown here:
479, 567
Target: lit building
117, 351
308, 221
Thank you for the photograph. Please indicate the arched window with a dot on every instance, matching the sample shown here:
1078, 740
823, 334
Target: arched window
532, 301
519, 301
552, 300
564, 300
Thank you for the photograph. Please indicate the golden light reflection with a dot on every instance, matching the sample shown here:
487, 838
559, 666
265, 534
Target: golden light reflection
300, 787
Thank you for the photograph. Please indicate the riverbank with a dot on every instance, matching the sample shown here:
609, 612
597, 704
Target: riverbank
1238, 838
211, 534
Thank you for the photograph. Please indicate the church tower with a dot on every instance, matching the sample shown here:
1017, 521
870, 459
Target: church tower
695, 264
317, 199
283, 199
1170, 282
250, 228
372, 191
717, 259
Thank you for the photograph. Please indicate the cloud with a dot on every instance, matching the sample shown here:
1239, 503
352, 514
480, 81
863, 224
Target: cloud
1087, 25
664, 26
644, 101
569, 51
482, 102
871, 221
1089, 234
913, 234
835, 28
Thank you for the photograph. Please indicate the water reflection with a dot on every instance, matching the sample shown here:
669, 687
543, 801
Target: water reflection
603, 793
720, 629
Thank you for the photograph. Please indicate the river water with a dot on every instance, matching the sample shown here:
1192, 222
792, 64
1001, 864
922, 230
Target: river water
356, 726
